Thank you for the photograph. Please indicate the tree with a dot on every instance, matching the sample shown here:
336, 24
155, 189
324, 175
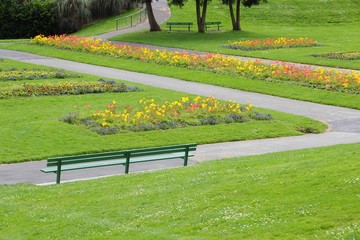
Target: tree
72, 15
235, 19
154, 26
200, 13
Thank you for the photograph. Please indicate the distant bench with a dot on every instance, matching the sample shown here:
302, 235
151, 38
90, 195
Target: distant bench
126, 157
187, 25
212, 24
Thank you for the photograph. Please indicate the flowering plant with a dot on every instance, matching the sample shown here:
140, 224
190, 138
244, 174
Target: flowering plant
341, 55
152, 115
64, 88
271, 43
30, 74
330, 79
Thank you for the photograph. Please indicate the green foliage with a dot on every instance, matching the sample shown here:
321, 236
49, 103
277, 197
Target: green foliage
72, 15
24, 19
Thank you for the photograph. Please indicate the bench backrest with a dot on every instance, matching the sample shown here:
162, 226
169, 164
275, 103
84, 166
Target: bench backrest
179, 23
75, 159
212, 23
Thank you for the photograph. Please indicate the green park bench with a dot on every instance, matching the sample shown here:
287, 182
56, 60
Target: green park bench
171, 25
212, 24
126, 157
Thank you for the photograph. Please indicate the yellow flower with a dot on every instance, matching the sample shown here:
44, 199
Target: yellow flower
184, 99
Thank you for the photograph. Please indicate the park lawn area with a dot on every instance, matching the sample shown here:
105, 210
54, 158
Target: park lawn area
32, 129
104, 25
304, 194
332, 23
241, 83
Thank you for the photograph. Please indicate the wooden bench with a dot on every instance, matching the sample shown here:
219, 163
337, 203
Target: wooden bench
179, 24
126, 157
211, 24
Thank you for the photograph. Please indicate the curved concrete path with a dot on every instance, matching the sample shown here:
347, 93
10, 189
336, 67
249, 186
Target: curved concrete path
344, 123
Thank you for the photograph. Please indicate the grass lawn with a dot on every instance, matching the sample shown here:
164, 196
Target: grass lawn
38, 133
104, 25
332, 23
307, 194
304, 194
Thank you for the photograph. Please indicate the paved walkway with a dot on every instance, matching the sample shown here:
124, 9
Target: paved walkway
344, 123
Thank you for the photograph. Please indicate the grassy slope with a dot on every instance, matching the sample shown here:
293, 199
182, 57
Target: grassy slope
332, 23
38, 134
104, 25
308, 194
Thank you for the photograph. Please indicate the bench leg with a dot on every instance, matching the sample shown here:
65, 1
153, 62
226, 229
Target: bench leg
58, 175
127, 164
186, 156
58, 172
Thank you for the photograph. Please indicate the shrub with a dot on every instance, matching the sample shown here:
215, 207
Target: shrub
25, 19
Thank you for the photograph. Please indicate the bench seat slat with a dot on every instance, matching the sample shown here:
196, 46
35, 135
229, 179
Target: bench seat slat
90, 155
85, 165
54, 162
158, 157
144, 153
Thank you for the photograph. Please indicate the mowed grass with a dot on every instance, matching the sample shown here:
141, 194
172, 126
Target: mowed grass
31, 128
332, 23
104, 25
307, 194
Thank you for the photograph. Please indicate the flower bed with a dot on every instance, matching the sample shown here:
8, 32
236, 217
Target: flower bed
341, 55
331, 79
14, 74
65, 88
151, 115
270, 43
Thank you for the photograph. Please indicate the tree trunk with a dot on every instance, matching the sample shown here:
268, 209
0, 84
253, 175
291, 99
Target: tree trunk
154, 26
237, 27
201, 16
233, 21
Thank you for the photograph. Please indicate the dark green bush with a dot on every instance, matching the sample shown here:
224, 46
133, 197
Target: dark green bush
24, 19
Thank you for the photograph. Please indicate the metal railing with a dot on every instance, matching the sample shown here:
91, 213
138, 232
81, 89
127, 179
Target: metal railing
131, 20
